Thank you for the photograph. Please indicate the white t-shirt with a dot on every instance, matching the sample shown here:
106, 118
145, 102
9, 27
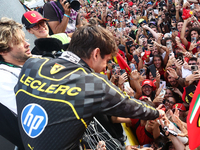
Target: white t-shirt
8, 80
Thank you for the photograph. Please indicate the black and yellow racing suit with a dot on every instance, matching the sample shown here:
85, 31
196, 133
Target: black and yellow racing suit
57, 98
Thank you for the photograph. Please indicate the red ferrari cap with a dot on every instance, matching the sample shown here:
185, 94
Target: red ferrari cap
30, 18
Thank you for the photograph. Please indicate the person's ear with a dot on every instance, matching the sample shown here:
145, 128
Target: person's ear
3, 53
96, 54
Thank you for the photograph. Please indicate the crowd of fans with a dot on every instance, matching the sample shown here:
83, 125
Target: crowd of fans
160, 41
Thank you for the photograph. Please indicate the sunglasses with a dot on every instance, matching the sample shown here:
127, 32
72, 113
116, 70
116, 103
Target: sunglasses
37, 26
192, 64
172, 103
147, 86
173, 110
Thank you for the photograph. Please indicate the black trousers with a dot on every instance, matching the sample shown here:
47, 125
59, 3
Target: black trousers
9, 127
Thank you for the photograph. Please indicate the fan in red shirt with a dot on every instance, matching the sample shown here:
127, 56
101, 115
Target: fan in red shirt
192, 39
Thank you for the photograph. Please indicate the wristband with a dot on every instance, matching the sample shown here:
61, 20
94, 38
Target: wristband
178, 77
66, 15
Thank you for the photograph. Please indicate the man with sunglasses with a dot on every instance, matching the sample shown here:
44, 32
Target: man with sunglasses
192, 61
35, 24
169, 102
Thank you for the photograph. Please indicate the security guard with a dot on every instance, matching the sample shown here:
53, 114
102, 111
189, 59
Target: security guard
57, 98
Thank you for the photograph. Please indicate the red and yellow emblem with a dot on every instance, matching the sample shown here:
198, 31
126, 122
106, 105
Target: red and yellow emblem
33, 15
56, 68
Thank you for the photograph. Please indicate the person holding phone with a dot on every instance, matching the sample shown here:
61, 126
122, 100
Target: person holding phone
193, 37
62, 18
159, 64
174, 84
169, 92
131, 49
169, 102
158, 49
155, 80
147, 89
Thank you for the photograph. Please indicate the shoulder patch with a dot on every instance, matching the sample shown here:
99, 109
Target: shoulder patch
56, 68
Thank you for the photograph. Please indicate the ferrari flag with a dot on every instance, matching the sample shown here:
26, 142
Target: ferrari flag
193, 120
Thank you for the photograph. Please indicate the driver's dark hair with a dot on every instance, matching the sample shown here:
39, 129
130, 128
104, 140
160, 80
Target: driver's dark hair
86, 38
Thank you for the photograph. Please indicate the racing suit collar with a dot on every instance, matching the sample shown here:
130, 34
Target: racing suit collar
69, 56
84, 64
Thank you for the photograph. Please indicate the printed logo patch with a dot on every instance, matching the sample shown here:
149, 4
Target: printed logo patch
34, 120
56, 68
33, 15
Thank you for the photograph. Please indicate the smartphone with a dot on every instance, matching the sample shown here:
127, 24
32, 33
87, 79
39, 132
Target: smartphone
163, 83
114, 71
126, 85
194, 68
113, 66
162, 92
152, 69
192, 6
129, 43
170, 131
193, 39
180, 57
142, 71
137, 46
110, 61
169, 45
171, 54
147, 145
117, 66
149, 41
122, 71
170, 1
136, 58
198, 54
174, 29
132, 66
174, 19
176, 2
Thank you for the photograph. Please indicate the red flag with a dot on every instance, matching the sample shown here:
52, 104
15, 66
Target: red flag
145, 55
186, 13
193, 120
123, 64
